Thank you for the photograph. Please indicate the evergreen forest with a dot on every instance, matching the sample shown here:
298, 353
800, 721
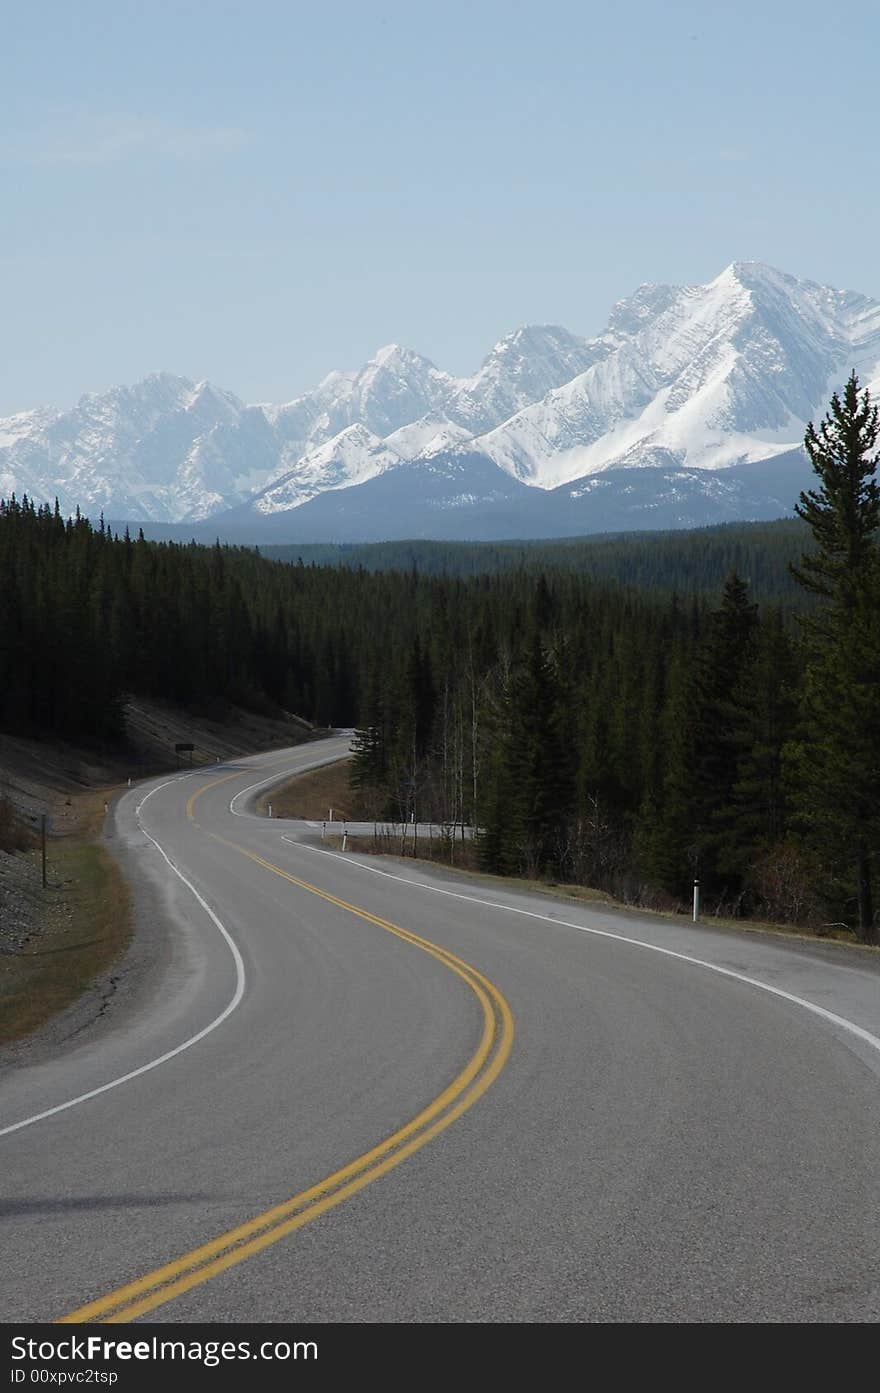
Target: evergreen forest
683, 562
603, 729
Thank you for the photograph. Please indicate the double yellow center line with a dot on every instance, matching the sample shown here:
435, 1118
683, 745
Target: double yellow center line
221, 1253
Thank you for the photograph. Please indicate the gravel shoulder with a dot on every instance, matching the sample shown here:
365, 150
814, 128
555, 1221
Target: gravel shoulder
73, 786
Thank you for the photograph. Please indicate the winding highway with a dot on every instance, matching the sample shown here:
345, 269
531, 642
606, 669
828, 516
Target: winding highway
359, 1089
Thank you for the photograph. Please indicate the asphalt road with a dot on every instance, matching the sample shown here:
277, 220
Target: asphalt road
359, 1091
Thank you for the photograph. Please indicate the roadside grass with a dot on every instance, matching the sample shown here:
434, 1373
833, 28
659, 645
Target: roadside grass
312, 795
83, 927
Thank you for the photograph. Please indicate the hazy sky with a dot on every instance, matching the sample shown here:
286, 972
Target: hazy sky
257, 193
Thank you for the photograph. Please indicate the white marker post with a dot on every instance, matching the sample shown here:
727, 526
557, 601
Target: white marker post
270, 809
696, 901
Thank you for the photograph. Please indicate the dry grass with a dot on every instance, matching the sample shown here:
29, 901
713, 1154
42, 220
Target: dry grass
312, 795
84, 926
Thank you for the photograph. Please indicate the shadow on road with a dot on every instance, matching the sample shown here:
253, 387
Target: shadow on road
46, 1204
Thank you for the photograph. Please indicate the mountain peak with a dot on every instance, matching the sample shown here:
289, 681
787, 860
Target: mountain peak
635, 312
757, 275
390, 352
395, 358
534, 339
699, 377
534, 333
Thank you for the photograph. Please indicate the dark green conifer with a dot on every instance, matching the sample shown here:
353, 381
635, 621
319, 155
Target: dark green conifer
834, 765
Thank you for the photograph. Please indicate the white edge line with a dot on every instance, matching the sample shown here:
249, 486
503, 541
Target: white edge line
850, 1026
178, 1049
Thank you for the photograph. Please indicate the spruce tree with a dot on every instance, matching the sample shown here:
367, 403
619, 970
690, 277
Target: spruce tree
844, 514
724, 711
834, 766
369, 743
757, 814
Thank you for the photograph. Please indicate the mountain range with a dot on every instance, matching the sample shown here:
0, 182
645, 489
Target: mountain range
689, 408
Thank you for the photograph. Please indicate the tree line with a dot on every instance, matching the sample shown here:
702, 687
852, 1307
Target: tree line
687, 562
594, 732
638, 744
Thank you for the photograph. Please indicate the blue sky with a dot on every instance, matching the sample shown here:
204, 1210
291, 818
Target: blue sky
259, 193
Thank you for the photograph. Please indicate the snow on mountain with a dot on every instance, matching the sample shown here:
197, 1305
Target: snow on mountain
173, 450
25, 424
351, 457
521, 369
130, 448
707, 376
395, 388
226, 464
634, 313
427, 436
688, 379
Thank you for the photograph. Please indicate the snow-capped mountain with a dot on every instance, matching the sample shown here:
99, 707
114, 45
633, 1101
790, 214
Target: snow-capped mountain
172, 450
351, 457
521, 369
704, 390
395, 388
708, 376
165, 448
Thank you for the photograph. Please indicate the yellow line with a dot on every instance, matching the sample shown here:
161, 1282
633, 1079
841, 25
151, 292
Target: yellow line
191, 801
200, 1264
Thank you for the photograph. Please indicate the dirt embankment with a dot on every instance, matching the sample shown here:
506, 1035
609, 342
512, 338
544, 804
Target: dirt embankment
63, 941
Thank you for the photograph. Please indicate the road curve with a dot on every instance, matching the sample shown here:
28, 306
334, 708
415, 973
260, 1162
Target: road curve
360, 1091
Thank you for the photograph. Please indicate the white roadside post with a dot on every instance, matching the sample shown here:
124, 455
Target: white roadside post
696, 900
270, 809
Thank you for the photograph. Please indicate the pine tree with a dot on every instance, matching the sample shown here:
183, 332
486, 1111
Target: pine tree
758, 813
369, 746
834, 766
844, 513
528, 786
723, 717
